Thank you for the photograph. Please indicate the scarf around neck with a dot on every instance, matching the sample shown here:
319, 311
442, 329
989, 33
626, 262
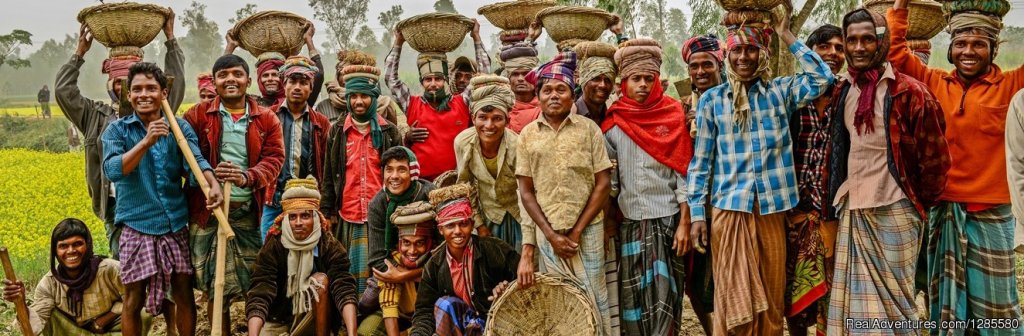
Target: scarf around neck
368, 87
867, 79
76, 286
654, 125
301, 288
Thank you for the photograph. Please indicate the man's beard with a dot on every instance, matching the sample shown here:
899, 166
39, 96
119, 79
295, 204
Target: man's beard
435, 97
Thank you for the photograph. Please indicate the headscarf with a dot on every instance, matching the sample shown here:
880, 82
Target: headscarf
267, 61
704, 43
989, 25
90, 263
654, 125
593, 67
518, 56
414, 219
117, 68
435, 64
639, 56
867, 79
205, 82
455, 211
394, 201
298, 65
301, 195
491, 90
365, 83
759, 38
562, 67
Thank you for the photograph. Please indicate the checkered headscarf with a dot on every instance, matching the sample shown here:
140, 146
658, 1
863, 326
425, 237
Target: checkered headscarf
562, 67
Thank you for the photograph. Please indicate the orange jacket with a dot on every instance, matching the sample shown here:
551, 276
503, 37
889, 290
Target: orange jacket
975, 119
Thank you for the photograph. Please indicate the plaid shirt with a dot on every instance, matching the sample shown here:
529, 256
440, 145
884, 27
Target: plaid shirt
810, 133
753, 162
401, 91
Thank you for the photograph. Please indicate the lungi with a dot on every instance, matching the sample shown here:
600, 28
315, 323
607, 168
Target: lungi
154, 259
454, 317
876, 256
650, 277
587, 266
354, 237
749, 267
971, 267
241, 253
508, 231
62, 325
611, 280
810, 261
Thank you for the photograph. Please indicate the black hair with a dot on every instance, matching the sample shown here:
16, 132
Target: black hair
150, 70
394, 153
229, 61
857, 16
576, 89
487, 109
823, 34
70, 227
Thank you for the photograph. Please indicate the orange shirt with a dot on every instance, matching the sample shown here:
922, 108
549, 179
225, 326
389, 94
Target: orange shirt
522, 114
975, 120
363, 176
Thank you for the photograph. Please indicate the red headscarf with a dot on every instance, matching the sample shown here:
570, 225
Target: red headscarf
118, 67
205, 82
263, 67
656, 125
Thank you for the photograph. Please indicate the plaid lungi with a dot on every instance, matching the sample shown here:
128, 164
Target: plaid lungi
651, 273
971, 267
508, 231
587, 266
876, 256
241, 253
154, 259
611, 280
354, 238
454, 317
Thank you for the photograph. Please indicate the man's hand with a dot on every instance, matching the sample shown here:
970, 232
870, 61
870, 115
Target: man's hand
416, 134
13, 290
476, 30
399, 38
782, 26
308, 35
699, 235
84, 41
216, 197
498, 290
564, 247
169, 24
534, 31
524, 275
227, 171
394, 274
156, 130
681, 240
230, 44
617, 28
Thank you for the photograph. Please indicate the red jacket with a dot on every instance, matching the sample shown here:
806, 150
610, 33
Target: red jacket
264, 145
321, 125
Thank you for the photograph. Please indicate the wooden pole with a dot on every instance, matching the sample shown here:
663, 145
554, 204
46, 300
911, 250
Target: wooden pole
19, 304
224, 231
217, 319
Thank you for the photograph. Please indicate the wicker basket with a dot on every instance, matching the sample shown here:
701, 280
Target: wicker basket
589, 49
919, 45
575, 22
271, 31
435, 32
925, 17
748, 17
514, 14
552, 306
731, 5
125, 26
992, 7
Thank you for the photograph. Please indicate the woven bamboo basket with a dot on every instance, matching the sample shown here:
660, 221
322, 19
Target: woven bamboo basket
748, 17
125, 27
992, 7
575, 22
926, 19
435, 32
552, 306
514, 14
731, 5
271, 31
589, 49
446, 179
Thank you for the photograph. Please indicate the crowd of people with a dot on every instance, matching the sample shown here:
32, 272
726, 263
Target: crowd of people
827, 199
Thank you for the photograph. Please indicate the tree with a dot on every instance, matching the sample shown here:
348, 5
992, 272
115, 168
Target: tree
676, 27
445, 6
832, 11
389, 19
242, 13
10, 47
627, 10
707, 17
366, 40
574, 2
202, 45
653, 18
342, 18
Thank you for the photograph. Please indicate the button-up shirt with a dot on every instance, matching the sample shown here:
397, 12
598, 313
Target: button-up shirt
496, 192
363, 176
298, 148
752, 160
233, 147
104, 295
646, 188
150, 199
562, 163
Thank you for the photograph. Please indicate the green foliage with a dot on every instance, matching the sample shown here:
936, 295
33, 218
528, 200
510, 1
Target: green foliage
242, 13
48, 135
445, 6
706, 18
389, 19
10, 47
343, 17
202, 45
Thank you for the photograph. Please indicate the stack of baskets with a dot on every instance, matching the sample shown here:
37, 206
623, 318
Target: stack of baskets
756, 13
570, 25
514, 17
435, 32
926, 20
528, 311
271, 31
124, 27
997, 8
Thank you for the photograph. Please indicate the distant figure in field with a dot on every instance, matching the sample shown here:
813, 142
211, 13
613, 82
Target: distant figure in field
43, 97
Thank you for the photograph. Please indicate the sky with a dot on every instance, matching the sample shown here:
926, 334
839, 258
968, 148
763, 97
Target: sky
47, 19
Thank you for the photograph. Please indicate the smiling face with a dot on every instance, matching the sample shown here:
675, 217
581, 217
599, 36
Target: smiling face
360, 103
972, 54
704, 70
231, 83
555, 98
490, 126
411, 248
271, 81
457, 234
432, 83
71, 252
301, 223
833, 52
744, 59
861, 45
397, 176
145, 94
298, 89
638, 86
596, 91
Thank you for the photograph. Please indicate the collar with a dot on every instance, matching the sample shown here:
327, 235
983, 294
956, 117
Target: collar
349, 123
284, 109
569, 119
252, 108
223, 110
887, 73
994, 76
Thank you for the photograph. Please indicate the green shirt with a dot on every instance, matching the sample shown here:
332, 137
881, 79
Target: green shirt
233, 147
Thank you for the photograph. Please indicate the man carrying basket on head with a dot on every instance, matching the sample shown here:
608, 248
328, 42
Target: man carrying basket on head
268, 75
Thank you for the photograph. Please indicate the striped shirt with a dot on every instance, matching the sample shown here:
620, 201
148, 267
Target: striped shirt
755, 161
150, 199
646, 188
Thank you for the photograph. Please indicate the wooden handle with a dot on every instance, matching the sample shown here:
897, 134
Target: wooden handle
19, 303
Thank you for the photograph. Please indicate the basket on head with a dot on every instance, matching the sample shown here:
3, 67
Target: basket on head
925, 16
124, 26
271, 31
569, 44
575, 22
514, 14
520, 311
453, 191
748, 17
731, 5
512, 36
446, 178
435, 32
991, 7
594, 49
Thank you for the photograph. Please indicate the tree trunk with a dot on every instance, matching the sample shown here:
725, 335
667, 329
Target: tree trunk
783, 63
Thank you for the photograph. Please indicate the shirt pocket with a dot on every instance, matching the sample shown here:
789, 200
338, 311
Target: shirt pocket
992, 119
773, 124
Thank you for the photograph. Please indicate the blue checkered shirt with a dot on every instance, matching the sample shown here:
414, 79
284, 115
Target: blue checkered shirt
752, 162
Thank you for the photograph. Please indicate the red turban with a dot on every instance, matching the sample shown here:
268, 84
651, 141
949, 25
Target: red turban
118, 67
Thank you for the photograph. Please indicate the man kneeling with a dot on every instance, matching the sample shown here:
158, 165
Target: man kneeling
301, 274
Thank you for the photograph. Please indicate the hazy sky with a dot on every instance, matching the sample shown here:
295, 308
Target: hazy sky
47, 19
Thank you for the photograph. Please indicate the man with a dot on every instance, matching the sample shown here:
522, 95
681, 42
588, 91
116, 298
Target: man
810, 240
643, 135
43, 97
743, 141
1015, 165
462, 276
268, 74
81, 295
303, 130
335, 107
91, 117
974, 216
888, 166
563, 171
462, 70
402, 186
207, 91
436, 117
395, 302
301, 282
245, 138
353, 168
596, 78
147, 167
518, 60
486, 157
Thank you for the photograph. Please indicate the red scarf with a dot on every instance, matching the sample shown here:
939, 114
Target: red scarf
657, 125
867, 82
277, 98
